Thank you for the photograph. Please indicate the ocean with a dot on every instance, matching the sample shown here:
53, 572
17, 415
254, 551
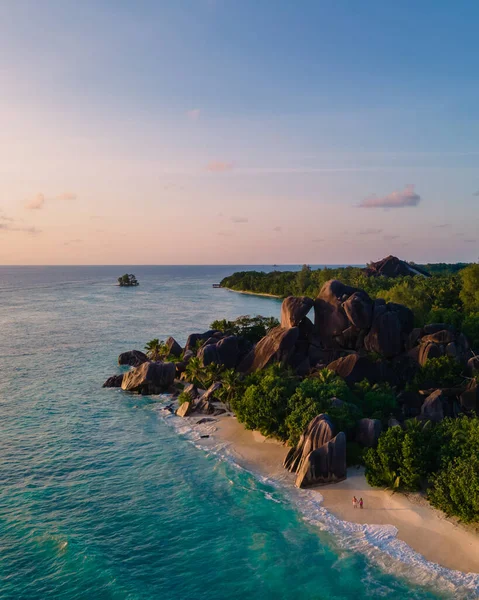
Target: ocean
103, 496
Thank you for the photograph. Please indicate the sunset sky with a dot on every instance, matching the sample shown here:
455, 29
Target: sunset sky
238, 131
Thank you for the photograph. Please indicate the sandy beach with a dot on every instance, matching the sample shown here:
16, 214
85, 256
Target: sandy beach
254, 293
426, 530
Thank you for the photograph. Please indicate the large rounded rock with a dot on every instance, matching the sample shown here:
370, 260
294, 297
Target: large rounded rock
294, 309
445, 336
194, 338
432, 408
276, 347
385, 335
473, 366
354, 369
429, 350
133, 358
184, 409
359, 310
224, 353
173, 347
470, 397
114, 381
368, 432
149, 378
327, 464
319, 431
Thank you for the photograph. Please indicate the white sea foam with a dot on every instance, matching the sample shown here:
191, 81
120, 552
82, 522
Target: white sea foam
379, 543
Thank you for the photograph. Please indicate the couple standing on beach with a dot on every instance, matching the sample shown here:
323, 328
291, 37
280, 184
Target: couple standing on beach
355, 502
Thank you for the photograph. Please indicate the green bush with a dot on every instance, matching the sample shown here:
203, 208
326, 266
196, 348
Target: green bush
313, 397
376, 401
251, 328
455, 490
470, 328
443, 371
264, 403
470, 287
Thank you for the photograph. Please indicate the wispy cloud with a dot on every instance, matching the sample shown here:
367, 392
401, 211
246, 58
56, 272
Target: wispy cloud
225, 233
239, 219
442, 225
399, 199
277, 228
72, 242
219, 166
469, 241
390, 237
477, 193
193, 114
5, 227
370, 231
318, 240
38, 201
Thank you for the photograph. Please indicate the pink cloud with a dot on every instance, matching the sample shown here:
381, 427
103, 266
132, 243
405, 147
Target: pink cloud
193, 114
218, 166
36, 202
405, 197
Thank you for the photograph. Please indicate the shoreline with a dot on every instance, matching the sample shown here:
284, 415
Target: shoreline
254, 293
424, 529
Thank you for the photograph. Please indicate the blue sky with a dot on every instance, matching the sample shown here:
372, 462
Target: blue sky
233, 131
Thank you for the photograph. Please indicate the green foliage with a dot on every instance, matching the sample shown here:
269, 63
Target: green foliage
127, 280
201, 376
264, 403
455, 490
313, 397
156, 350
251, 328
444, 456
183, 397
443, 371
470, 328
354, 454
470, 287
376, 401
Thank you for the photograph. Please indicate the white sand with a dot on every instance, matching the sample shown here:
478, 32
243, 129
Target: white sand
423, 528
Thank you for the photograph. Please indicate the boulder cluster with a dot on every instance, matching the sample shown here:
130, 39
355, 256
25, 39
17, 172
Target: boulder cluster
352, 335
391, 266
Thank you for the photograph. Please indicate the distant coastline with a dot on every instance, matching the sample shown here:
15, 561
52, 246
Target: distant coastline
254, 293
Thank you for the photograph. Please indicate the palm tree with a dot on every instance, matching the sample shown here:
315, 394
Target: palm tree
155, 349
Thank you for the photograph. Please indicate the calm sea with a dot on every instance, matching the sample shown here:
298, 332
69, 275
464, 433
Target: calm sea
101, 497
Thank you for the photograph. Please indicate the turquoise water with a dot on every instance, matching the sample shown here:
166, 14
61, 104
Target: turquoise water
100, 497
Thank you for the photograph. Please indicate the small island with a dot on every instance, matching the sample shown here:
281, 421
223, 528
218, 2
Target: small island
128, 280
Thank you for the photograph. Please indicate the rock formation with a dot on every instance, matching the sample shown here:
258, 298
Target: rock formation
114, 381
327, 464
149, 378
133, 358
391, 266
294, 310
368, 432
277, 346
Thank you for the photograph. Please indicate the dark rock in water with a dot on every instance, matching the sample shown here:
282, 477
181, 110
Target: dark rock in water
470, 397
359, 310
206, 420
391, 266
294, 309
368, 432
184, 409
191, 390
133, 358
173, 347
354, 368
327, 464
385, 335
149, 378
319, 431
432, 408
114, 381
277, 346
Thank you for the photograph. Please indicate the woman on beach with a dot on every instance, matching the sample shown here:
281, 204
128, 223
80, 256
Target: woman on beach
355, 502
360, 502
